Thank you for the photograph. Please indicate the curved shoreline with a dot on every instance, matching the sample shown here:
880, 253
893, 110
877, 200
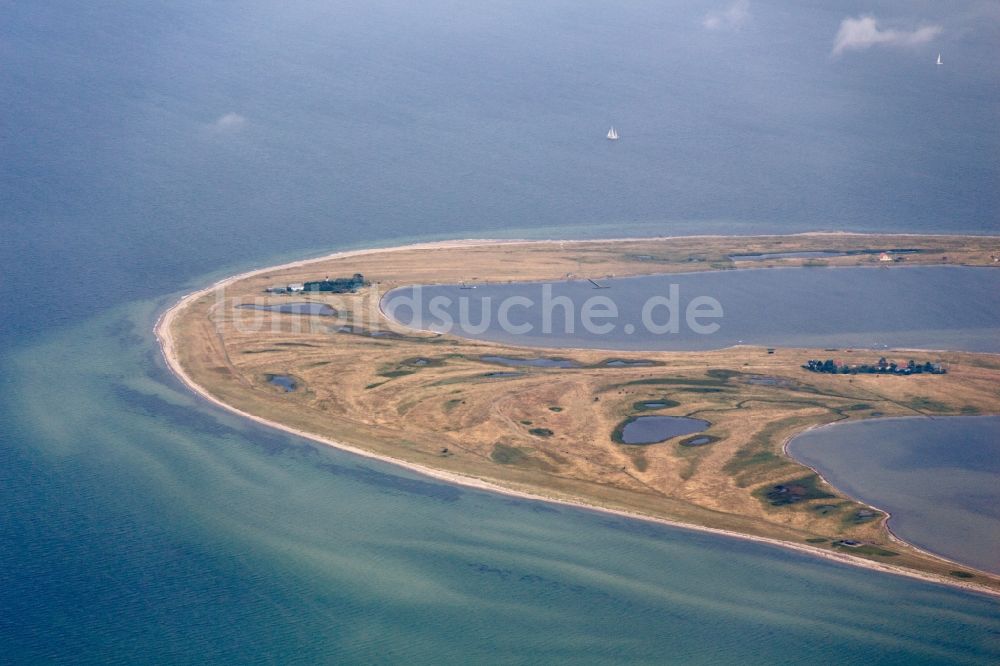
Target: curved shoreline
888, 514
164, 336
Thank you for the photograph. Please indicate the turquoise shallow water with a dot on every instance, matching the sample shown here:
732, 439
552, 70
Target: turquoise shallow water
139, 522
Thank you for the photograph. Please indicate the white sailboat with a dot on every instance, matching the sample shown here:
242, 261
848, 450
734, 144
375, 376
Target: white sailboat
612, 134
939, 59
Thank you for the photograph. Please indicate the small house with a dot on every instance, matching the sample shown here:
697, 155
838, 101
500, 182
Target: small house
884, 257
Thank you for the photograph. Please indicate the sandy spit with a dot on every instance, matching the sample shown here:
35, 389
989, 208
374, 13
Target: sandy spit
168, 345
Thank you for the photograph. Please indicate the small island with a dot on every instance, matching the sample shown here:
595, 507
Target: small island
551, 426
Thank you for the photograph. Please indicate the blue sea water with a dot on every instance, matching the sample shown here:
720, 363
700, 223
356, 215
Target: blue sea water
146, 148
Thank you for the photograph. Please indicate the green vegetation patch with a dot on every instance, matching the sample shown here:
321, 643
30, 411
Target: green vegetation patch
825, 509
649, 258
793, 492
522, 457
392, 374
758, 460
618, 434
868, 549
674, 381
817, 540
746, 459
507, 455
924, 404
862, 516
540, 432
555, 409
961, 574
422, 362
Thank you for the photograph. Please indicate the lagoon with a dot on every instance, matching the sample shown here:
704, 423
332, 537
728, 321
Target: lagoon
925, 307
939, 478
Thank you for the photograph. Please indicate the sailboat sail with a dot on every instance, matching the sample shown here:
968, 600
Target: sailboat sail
939, 59
612, 134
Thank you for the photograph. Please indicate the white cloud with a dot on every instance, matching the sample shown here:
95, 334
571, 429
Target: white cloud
730, 18
857, 34
229, 122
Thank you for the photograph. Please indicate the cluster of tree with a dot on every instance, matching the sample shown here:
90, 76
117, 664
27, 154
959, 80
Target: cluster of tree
337, 285
883, 367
